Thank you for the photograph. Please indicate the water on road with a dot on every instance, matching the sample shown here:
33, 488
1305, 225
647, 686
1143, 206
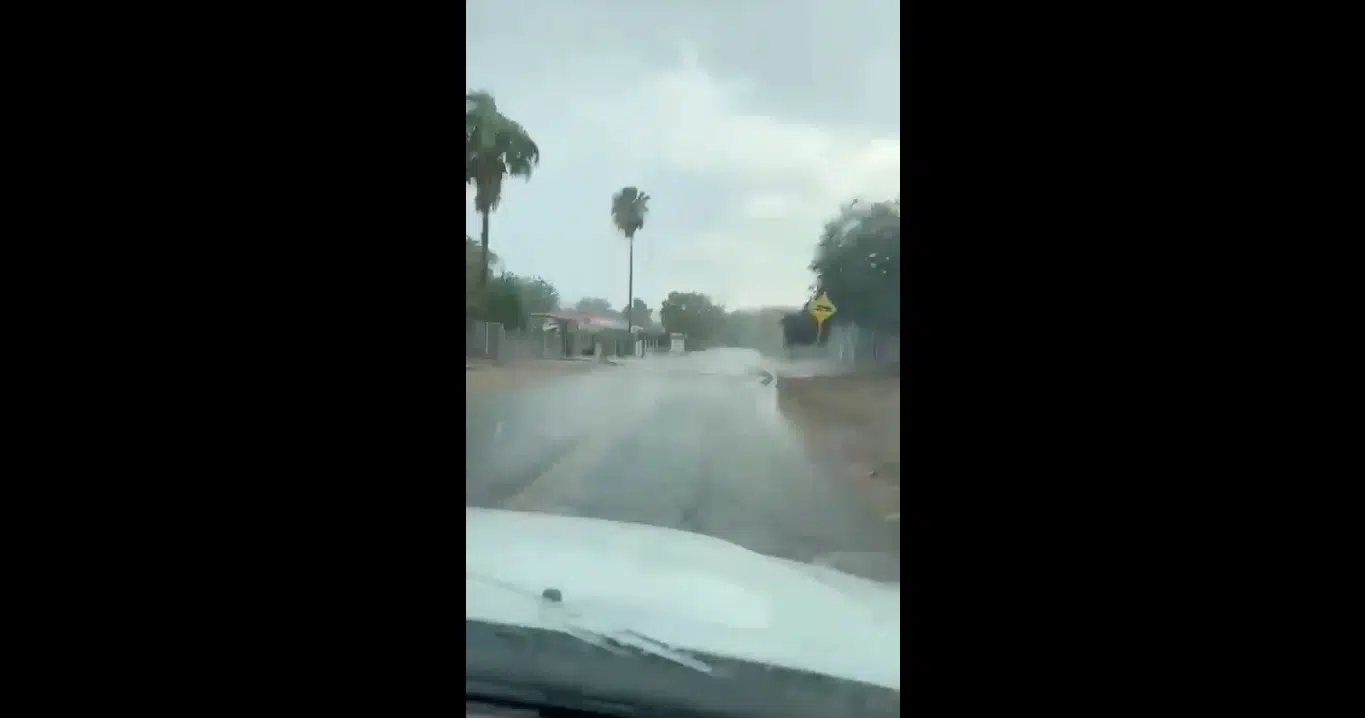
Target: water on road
692, 442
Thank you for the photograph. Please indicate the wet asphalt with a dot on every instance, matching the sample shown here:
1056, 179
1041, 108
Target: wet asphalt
693, 442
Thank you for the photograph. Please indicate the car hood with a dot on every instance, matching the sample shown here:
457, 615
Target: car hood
685, 590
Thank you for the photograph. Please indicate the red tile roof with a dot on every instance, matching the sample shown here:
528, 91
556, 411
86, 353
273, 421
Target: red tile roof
586, 318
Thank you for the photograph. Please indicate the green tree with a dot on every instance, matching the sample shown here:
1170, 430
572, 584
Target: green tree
512, 299
799, 329
628, 210
693, 314
495, 148
505, 302
538, 296
473, 263
640, 311
857, 263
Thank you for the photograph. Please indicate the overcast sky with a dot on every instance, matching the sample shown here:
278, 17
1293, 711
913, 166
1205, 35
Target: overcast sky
747, 121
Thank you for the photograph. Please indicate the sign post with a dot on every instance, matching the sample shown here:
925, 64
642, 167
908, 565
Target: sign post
821, 308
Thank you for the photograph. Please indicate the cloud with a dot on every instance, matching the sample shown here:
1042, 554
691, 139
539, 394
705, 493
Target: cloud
780, 178
744, 163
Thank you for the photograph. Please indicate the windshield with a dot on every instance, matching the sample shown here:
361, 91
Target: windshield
682, 317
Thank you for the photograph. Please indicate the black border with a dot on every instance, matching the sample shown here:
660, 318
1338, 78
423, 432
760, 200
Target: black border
276, 331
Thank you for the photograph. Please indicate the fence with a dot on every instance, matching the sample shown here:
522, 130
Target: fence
852, 344
482, 339
491, 340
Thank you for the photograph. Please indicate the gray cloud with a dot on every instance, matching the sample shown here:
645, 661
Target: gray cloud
749, 121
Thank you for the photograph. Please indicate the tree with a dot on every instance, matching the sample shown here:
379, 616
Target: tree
538, 296
640, 311
857, 264
628, 210
512, 299
693, 314
799, 329
596, 305
505, 302
474, 298
495, 148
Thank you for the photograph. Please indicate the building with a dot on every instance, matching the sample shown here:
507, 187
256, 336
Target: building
589, 322
579, 332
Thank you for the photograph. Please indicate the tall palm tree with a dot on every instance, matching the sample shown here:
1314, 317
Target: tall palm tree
495, 147
628, 210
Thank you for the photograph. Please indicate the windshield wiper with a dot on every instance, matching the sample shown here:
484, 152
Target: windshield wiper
559, 617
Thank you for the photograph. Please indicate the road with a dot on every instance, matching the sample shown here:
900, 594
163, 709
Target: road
693, 443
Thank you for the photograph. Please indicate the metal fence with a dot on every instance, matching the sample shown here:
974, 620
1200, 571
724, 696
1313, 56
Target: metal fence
852, 344
491, 340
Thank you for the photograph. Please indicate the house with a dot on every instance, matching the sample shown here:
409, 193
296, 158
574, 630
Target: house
589, 322
579, 331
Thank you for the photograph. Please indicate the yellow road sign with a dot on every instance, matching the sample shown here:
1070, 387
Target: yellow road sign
822, 308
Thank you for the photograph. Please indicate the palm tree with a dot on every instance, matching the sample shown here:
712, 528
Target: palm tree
495, 147
628, 210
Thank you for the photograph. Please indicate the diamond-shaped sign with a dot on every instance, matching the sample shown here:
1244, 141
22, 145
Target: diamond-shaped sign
822, 308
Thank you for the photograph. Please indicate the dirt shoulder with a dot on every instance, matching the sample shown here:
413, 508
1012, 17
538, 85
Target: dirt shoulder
483, 376
852, 425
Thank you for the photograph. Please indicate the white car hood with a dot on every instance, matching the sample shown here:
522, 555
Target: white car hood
686, 590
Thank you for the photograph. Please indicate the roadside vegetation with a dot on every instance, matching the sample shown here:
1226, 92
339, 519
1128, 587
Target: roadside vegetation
857, 264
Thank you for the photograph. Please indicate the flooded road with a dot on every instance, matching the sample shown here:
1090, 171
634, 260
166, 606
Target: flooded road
692, 442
